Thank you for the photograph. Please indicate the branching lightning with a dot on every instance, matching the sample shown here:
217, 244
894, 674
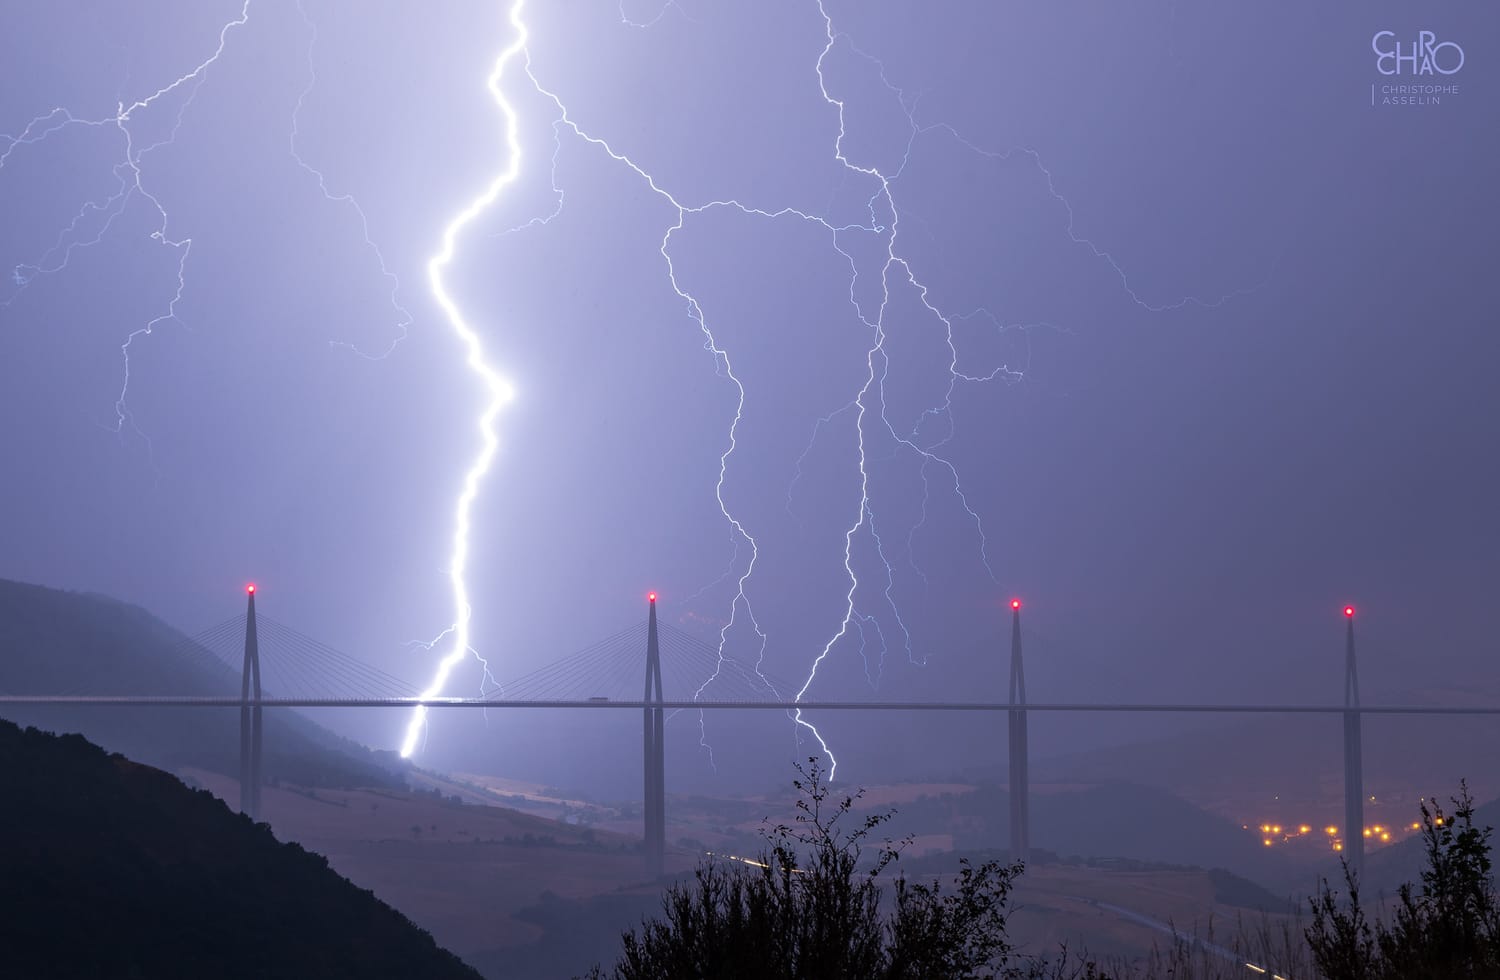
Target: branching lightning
497, 389
724, 365
403, 316
868, 405
94, 219
928, 453
130, 186
871, 609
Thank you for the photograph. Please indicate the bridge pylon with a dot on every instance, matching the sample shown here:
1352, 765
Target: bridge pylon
250, 717
1020, 776
655, 754
1354, 785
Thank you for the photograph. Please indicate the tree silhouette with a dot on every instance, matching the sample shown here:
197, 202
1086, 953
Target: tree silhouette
811, 907
1448, 926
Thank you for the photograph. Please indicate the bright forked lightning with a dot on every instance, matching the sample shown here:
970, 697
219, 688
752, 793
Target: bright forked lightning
873, 597
725, 367
871, 399
868, 406
498, 390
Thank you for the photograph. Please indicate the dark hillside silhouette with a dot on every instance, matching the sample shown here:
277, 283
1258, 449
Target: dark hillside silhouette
109, 868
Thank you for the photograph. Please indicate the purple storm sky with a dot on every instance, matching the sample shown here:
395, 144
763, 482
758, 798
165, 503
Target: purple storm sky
1150, 313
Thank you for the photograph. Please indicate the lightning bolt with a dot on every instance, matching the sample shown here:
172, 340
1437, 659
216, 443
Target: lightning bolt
878, 365
497, 389
130, 186
872, 614
723, 365
868, 405
897, 270
666, 8
129, 175
403, 316
722, 361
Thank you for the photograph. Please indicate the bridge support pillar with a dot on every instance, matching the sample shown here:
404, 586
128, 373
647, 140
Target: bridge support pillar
1354, 786
250, 717
1020, 799
655, 806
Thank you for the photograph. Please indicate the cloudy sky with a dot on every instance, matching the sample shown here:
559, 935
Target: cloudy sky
1156, 315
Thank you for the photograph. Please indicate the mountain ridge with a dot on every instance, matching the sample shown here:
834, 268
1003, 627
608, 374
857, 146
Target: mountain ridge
109, 867
54, 641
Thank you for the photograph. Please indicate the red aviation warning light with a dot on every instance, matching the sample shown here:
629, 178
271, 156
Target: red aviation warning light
250, 589
1349, 612
1015, 604
651, 596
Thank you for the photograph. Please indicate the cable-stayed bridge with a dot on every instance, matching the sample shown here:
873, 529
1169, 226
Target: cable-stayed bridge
253, 662
298, 670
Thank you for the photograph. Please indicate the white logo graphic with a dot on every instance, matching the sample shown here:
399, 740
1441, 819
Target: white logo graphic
1426, 56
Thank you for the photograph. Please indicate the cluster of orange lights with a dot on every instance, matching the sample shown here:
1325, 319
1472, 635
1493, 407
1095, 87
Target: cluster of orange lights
1376, 832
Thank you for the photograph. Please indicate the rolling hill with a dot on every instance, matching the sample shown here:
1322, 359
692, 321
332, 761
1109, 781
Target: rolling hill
109, 868
57, 642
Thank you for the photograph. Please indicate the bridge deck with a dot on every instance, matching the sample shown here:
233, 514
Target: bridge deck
180, 701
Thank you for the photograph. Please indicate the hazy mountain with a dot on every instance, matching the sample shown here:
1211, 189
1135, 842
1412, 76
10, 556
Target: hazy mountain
1301, 756
1388, 868
109, 868
1110, 820
56, 642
